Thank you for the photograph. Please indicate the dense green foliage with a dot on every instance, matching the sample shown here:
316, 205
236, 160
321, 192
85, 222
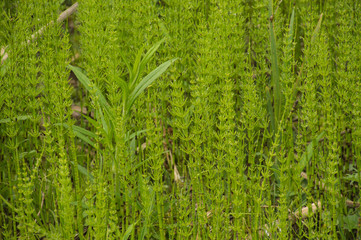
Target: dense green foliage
181, 119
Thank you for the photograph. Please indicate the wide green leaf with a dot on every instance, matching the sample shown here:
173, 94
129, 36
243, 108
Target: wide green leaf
129, 231
149, 55
270, 110
129, 67
135, 134
136, 68
82, 133
290, 33
314, 36
124, 87
89, 86
146, 81
85, 172
140, 64
306, 156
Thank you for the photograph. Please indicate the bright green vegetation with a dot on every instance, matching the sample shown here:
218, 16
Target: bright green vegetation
213, 119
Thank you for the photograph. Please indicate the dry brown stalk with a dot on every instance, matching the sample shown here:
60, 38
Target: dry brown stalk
64, 15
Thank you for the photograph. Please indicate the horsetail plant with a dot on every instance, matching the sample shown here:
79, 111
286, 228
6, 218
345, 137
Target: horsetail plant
180, 119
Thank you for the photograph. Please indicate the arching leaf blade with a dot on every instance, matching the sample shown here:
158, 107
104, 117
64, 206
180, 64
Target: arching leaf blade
146, 81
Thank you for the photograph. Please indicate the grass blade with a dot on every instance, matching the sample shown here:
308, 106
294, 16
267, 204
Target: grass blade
128, 66
124, 86
135, 134
82, 133
290, 33
146, 81
149, 54
129, 231
270, 110
315, 34
87, 84
308, 154
85, 172
136, 68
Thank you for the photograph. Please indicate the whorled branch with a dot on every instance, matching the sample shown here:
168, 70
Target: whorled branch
64, 15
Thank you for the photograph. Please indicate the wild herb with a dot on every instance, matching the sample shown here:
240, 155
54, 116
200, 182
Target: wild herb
176, 119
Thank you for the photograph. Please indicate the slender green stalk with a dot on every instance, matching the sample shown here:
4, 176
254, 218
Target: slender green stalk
180, 119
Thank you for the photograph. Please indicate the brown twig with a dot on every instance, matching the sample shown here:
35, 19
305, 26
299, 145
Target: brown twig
42, 202
64, 15
60, 19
